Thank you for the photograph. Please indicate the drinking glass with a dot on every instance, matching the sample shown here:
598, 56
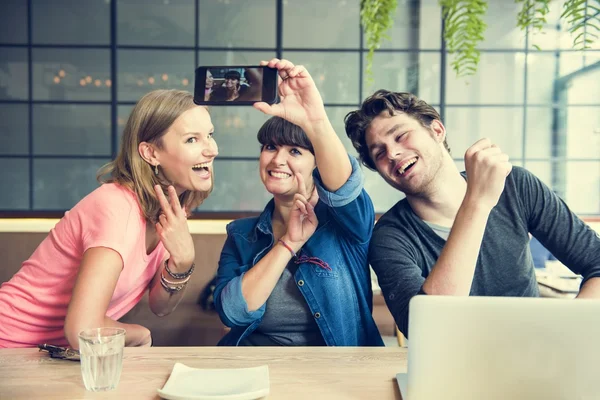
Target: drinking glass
101, 354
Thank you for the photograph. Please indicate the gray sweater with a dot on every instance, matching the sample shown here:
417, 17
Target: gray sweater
404, 249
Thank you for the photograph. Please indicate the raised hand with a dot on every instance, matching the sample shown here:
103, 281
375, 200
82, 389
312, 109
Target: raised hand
487, 168
173, 231
303, 221
300, 101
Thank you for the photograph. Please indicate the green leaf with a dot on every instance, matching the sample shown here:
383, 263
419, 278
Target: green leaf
581, 17
464, 29
376, 17
533, 15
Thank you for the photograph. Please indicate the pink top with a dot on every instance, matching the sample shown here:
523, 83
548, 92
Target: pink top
33, 304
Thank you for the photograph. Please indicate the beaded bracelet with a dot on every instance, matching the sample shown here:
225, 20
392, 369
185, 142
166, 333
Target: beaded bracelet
176, 275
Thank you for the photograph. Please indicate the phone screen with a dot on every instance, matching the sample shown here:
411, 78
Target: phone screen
235, 85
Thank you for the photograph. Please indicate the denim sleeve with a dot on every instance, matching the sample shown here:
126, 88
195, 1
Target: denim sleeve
350, 205
229, 300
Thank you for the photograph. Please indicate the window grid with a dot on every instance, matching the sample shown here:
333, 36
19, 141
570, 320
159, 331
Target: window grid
113, 47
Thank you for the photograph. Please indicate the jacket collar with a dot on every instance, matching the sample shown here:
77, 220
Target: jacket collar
264, 224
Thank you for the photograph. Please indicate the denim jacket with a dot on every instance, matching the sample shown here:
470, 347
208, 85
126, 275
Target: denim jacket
340, 299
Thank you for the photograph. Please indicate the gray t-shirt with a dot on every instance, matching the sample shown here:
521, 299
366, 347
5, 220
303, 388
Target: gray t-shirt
287, 320
439, 230
404, 249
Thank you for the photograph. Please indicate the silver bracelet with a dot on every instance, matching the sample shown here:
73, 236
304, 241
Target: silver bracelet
173, 283
168, 288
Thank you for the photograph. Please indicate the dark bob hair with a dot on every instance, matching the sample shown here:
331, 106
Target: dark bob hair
280, 132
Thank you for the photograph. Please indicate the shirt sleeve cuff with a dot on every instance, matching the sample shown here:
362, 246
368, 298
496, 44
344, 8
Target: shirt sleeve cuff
349, 190
235, 306
588, 277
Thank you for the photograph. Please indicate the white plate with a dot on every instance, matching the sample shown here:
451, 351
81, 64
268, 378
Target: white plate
187, 383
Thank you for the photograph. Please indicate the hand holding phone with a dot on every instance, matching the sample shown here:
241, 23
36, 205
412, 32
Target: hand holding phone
235, 85
300, 100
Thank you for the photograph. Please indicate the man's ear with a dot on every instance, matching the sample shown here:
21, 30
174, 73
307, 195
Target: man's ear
438, 130
148, 153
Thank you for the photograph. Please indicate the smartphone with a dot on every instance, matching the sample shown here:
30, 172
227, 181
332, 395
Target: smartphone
235, 85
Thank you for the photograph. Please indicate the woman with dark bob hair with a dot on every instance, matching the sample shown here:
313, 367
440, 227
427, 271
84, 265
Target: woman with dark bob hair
297, 275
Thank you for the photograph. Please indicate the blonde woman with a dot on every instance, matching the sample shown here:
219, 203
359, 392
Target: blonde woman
128, 236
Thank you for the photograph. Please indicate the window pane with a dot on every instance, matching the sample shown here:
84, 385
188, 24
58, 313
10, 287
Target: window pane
71, 129
216, 57
417, 73
583, 132
68, 74
575, 182
499, 80
236, 129
141, 71
13, 74
584, 88
335, 73
237, 188
583, 187
336, 116
502, 125
14, 184
333, 24
122, 117
502, 31
14, 129
538, 132
541, 76
574, 61
71, 21
416, 27
13, 21
156, 22
237, 23
60, 184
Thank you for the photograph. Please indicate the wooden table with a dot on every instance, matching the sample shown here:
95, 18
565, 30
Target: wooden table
295, 373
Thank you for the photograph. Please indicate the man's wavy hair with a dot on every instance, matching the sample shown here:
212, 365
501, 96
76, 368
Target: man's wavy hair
357, 122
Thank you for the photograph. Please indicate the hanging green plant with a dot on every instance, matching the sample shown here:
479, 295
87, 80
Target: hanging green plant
376, 17
464, 26
583, 20
463, 31
533, 15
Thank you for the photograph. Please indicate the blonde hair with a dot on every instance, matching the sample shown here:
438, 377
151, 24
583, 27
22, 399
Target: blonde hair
148, 122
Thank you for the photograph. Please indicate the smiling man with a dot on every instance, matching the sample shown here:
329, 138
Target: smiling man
459, 233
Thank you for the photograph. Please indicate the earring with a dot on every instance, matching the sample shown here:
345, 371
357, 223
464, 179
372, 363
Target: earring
156, 170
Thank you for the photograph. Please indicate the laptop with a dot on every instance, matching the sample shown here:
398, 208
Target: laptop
492, 348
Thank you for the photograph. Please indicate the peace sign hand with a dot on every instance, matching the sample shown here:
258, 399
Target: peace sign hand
303, 221
173, 231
